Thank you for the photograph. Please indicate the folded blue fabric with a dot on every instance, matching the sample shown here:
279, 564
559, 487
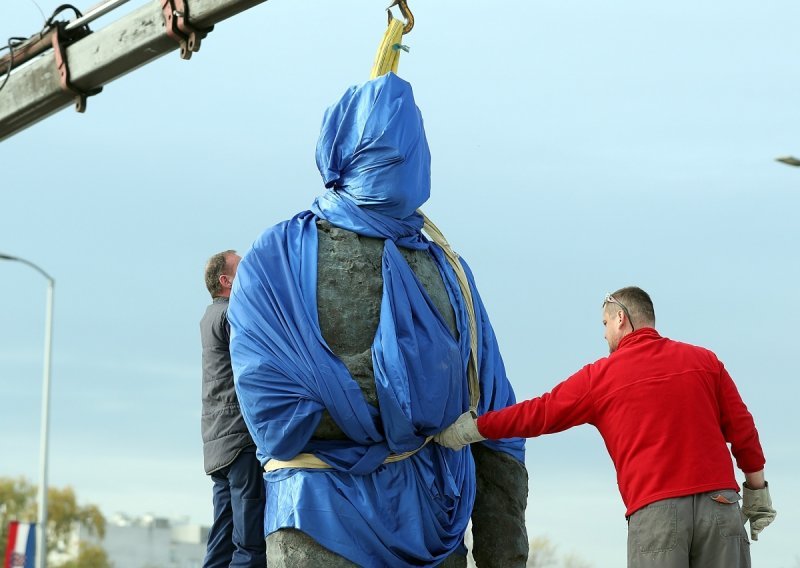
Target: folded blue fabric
373, 155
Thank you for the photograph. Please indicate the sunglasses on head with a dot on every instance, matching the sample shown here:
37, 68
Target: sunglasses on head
609, 299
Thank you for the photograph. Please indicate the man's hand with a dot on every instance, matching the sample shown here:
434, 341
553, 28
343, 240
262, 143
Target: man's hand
757, 508
460, 433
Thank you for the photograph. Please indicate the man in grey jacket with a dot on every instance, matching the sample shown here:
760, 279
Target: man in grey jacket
236, 538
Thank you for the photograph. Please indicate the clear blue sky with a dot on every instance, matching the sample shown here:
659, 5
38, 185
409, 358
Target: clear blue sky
577, 147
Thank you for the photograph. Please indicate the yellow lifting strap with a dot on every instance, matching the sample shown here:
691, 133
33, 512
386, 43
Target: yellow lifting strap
388, 56
452, 258
310, 461
386, 60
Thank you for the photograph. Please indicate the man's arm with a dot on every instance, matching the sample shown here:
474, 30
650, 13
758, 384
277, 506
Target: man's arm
740, 431
568, 404
738, 426
226, 328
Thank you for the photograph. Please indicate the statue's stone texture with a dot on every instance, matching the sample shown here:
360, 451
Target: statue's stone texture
499, 537
291, 548
349, 290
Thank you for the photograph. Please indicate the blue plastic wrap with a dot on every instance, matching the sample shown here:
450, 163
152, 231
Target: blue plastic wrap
373, 155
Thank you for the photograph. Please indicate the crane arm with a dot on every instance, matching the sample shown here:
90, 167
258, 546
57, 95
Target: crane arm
36, 90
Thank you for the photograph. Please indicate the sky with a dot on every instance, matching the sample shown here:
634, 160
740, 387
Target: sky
577, 147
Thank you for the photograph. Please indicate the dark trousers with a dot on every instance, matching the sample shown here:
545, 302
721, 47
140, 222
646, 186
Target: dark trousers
236, 538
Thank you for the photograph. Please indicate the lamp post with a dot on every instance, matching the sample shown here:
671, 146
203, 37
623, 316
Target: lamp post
788, 160
41, 525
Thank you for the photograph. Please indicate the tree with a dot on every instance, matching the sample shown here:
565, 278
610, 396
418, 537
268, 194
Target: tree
574, 561
89, 556
543, 554
64, 512
18, 502
16, 496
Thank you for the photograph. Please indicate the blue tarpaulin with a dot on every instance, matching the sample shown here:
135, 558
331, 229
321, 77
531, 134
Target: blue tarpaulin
374, 158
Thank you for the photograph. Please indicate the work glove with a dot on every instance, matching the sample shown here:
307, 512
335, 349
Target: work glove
460, 433
757, 507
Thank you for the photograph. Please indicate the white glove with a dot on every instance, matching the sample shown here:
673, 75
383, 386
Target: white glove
460, 433
758, 509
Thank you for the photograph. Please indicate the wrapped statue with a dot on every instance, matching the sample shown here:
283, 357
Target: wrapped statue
351, 343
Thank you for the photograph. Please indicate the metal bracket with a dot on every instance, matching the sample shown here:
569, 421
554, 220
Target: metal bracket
60, 39
176, 18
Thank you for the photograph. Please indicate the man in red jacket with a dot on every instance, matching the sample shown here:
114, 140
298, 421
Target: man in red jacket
666, 411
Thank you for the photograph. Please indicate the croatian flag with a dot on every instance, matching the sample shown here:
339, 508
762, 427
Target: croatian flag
21, 545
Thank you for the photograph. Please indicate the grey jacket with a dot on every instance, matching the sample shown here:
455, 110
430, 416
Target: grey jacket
225, 434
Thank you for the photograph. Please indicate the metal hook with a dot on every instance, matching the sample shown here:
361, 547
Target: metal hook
404, 9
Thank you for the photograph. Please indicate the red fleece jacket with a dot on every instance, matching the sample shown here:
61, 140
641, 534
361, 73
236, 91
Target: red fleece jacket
666, 411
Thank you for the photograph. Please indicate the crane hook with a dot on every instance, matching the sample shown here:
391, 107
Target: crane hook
404, 9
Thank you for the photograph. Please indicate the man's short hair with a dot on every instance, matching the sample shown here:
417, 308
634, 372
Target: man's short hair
215, 267
639, 304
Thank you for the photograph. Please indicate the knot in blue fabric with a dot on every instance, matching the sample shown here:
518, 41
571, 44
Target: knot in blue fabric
372, 147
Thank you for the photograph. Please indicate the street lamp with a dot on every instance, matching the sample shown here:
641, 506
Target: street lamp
788, 160
41, 525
